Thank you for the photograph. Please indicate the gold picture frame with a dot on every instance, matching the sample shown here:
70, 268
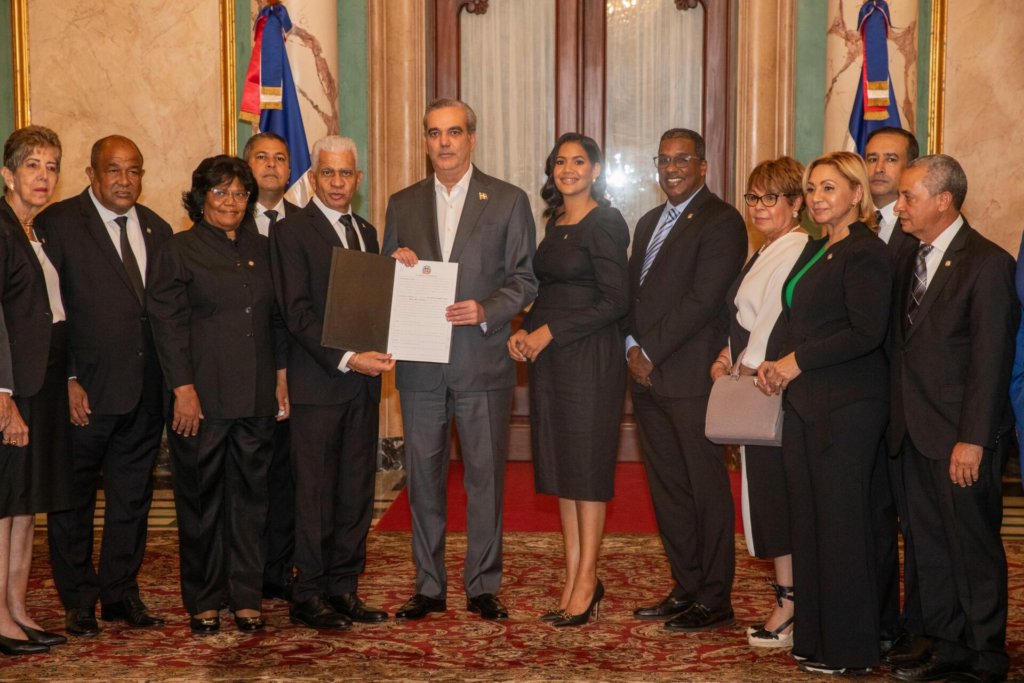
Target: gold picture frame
937, 78
19, 54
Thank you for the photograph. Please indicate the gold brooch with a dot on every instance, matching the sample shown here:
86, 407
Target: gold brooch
949, 263
689, 216
483, 196
829, 257
149, 231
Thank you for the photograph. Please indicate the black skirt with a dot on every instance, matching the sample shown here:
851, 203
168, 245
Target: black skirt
37, 478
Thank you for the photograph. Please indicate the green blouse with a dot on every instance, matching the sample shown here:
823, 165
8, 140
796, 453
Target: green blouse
791, 285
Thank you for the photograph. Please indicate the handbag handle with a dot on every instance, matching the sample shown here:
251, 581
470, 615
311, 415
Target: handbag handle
734, 374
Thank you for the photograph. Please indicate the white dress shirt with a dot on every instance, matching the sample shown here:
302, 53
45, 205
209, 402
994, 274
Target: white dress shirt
263, 220
334, 217
888, 223
449, 211
52, 283
630, 342
939, 247
135, 240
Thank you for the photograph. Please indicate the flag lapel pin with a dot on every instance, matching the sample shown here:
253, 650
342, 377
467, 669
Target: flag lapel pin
483, 196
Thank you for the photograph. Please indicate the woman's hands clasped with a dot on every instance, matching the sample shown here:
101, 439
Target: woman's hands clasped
524, 346
773, 377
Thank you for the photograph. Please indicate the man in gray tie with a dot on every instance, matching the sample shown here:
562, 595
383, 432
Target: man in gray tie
460, 215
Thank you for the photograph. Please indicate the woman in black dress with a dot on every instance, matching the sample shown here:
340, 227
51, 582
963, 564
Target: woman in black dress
836, 376
35, 474
222, 349
577, 383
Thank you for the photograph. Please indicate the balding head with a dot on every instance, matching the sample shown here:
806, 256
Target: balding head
115, 173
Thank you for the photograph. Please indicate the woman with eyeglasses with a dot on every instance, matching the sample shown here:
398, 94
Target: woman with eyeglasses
221, 345
774, 203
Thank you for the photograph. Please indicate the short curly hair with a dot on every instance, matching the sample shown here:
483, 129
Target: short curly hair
214, 171
24, 141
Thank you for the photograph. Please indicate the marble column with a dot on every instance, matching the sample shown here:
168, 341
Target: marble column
765, 88
845, 59
398, 78
312, 47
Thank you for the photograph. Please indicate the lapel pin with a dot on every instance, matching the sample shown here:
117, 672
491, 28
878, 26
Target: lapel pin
949, 263
42, 240
149, 231
829, 257
565, 237
251, 264
689, 216
483, 196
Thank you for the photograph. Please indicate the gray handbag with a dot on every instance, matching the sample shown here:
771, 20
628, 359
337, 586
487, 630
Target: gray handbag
738, 413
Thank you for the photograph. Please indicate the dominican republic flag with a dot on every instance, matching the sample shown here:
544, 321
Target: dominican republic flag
270, 100
875, 105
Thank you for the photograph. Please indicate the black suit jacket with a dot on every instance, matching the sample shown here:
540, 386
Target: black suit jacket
679, 315
110, 343
211, 302
951, 368
897, 240
26, 309
301, 247
837, 325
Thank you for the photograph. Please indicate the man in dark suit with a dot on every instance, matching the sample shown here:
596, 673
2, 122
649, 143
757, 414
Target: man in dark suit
886, 155
335, 397
459, 215
103, 243
268, 156
686, 254
955, 318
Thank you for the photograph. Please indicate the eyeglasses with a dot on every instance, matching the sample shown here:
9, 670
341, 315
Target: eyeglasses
221, 195
662, 161
768, 200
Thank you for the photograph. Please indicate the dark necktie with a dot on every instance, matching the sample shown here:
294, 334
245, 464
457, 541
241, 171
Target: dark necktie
350, 232
131, 266
878, 218
920, 283
271, 216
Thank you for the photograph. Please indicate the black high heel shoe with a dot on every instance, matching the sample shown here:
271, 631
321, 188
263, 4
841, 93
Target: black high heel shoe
205, 626
566, 619
13, 648
42, 637
552, 615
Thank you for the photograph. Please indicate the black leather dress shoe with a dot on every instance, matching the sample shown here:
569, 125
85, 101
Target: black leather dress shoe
932, 670
132, 611
249, 624
355, 609
81, 622
907, 650
14, 648
205, 626
701, 618
42, 637
317, 613
488, 606
666, 609
420, 606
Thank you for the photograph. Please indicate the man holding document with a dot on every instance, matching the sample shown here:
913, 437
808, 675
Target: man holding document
335, 398
459, 215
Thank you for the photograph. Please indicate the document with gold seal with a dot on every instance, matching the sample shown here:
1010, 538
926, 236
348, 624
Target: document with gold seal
377, 304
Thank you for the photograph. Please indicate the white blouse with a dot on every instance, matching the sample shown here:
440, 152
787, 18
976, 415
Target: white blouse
759, 298
52, 283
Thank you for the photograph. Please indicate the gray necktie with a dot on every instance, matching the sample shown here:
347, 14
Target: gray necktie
920, 283
131, 266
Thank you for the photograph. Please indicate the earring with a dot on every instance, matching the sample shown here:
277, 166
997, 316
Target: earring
796, 214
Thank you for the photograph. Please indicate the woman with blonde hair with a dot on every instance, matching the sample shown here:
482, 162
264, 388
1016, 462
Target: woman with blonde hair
836, 306
775, 203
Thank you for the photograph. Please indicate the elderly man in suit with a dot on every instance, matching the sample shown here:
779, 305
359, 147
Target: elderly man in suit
104, 243
460, 215
955, 317
886, 155
268, 156
686, 254
335, 398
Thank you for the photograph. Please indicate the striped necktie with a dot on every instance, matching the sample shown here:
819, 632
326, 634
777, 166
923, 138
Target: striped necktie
920, 284
659, 238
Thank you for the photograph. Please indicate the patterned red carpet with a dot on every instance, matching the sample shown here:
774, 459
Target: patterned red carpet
452, 647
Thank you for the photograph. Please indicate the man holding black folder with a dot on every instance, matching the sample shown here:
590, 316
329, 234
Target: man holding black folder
335, 397
459, 215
